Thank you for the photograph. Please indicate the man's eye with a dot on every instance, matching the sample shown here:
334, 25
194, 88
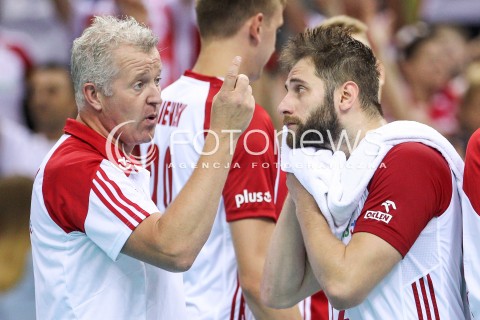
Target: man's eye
138, 85
300, 89
157, 81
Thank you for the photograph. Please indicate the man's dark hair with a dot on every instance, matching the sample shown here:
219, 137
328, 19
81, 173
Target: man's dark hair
338, 58
222, 19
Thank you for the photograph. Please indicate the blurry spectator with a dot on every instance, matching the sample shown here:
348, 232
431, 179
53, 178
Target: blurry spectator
41, 20
17, 294
21, 151
364, 10
454, 41
447, 11
469, 108
15, 61
175, 23
82, 11
50, 99
53, 24
419, 87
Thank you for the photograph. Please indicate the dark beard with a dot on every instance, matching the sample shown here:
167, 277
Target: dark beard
324, 127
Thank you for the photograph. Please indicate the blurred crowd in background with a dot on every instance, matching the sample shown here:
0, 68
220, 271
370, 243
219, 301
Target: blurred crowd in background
429, 52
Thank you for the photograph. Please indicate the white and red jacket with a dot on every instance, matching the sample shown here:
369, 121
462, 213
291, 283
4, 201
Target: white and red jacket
85, 205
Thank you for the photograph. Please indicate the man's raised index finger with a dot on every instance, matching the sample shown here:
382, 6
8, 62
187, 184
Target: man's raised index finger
232, 73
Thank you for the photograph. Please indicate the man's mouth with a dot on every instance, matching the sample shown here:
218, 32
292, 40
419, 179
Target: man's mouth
152, 117
290, 121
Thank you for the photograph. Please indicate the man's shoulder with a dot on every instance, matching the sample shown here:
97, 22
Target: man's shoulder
192, 80
473, 148
414, 160
73, 158
190, 91
66, 181
414, 152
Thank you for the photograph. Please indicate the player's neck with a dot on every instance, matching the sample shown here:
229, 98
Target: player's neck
95, 124
215, 57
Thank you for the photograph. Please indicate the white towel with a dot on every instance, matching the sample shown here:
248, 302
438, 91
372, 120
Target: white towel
314, 170
338, 184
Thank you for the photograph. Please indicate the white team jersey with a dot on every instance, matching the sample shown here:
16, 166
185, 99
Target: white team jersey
427, 283
421, 274
84, 208
211, 285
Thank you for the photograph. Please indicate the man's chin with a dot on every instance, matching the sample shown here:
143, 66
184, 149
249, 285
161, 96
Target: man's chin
146, 139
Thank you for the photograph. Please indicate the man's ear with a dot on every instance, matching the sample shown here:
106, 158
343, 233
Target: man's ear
92, 96
348, 95
381, 79
256, 24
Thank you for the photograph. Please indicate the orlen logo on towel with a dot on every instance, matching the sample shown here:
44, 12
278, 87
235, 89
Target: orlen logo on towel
252, 197
378, 215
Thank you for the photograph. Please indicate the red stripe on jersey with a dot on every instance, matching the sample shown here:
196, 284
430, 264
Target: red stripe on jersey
212, 91
319, 306
167, 178
112, 208
425, 298
122, 196
434, 300
154, 170
241, 312
113, 199
234, 301
417, 301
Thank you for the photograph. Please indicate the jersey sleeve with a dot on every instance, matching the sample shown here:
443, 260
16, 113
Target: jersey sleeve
117, 206
472, 171
251, 185
412, 185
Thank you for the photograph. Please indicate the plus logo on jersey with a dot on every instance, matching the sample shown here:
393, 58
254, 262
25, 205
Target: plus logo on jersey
252, 197
382, 216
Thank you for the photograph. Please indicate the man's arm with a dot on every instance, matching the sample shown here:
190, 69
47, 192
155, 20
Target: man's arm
250, 239
347, 273
287, 277
172, 240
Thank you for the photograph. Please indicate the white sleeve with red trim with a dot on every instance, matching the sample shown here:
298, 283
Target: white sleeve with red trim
117, 205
